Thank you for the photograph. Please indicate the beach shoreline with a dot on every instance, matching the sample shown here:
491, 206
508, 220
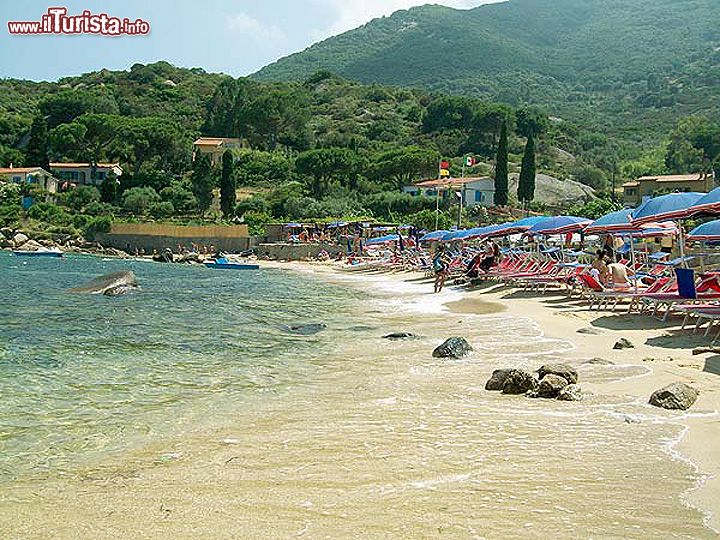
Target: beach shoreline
213, 469
666, 356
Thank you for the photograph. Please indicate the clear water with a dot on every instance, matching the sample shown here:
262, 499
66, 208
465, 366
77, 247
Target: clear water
81, 375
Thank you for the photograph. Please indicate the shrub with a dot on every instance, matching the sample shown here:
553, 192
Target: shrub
100, 224
139, 200
162, 209
81, 196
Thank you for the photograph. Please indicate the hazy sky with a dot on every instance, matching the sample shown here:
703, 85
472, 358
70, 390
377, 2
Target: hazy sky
232, 36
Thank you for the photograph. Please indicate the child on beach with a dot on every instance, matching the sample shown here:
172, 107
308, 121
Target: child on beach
440, 267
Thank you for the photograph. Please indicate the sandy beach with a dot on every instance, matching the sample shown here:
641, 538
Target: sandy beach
388, 442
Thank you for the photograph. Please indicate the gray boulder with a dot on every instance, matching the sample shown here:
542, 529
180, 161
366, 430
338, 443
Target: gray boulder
19, 239
562, 370
109, 283
589, 330
519, 381
623, 343
30, 245
572, 392
454, 347
675, 396
7, 232
497, 380
551, 385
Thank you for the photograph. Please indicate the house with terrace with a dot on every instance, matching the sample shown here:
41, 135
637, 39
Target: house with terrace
87, 174
30, 175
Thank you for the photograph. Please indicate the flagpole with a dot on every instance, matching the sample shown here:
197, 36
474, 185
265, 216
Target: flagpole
462, 193
437, 197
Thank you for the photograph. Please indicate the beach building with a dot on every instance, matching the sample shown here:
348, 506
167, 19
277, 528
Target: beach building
30, 175
638, 190
215, 147
85, 173
478, 191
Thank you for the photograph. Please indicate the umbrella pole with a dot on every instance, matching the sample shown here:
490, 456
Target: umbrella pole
632, 260
681, 240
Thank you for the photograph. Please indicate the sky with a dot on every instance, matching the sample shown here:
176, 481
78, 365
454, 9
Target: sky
237, 37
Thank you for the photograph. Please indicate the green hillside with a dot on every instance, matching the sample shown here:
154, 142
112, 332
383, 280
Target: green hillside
632, 67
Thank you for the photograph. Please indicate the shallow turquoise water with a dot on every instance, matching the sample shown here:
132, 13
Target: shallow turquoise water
81, 375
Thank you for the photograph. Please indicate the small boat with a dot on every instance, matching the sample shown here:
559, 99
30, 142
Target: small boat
43, 252
225, 264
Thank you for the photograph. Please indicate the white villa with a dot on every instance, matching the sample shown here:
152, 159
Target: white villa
479, 191
30, 175
85, 173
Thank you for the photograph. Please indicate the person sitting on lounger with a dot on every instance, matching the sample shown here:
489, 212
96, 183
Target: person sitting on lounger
491, 256
473, 268
619, 274
599, 268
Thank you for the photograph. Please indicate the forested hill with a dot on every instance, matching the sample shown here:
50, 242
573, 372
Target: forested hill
633, 65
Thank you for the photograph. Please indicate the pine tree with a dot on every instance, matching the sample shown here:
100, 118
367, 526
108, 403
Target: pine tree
37, 149
202, 182
501, 168
109, 189
526, 184
227, 184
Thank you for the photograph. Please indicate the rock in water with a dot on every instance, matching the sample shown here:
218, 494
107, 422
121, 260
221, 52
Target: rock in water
497, 380
519, 381
454, 347
119, 290
623, 343
551, 385
572, 392
400, 335
599, 362
304, 329
562, 370
117, 280
674, 396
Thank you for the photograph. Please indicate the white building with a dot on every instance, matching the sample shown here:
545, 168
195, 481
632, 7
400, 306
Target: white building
30, 175
478, 191
85, 173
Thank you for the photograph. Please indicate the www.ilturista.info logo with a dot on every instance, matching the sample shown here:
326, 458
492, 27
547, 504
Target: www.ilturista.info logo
57, 21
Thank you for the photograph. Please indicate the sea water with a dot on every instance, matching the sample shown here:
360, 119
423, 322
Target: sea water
185, 411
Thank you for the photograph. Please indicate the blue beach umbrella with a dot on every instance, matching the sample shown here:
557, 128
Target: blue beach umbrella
515, 227
665, 207
433, 236
707, 232
383, 240
560, 225
293, 225
336, 224
708, 204
610, 222
452, 235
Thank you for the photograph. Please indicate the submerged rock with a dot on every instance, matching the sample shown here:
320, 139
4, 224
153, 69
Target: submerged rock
572, 392
454, 347
599, 362
519, 381
400, 335
562, 370
623, 343
497, 380
675, 396
114, 284
551, 385
304, 329
589, 330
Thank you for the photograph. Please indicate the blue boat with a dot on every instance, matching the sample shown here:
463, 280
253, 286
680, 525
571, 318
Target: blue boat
225, 264
39, 253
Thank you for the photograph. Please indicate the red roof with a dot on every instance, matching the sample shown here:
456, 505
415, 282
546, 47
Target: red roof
82, 165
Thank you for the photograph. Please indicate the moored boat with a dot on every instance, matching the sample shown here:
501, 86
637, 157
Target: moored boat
225, 264
44, 252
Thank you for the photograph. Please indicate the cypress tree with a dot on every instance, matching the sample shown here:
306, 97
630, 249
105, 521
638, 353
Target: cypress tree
227, 184
526, 183
37, 149
501, 168
109, 189
201, 182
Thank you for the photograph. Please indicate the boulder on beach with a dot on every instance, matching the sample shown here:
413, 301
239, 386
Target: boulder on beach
589, 330
550, 386
563, 370
395, 336
675, 396
7, 232
571, 392
497, 380
623, 343
30, 245
519, 381
454, 347
19, 239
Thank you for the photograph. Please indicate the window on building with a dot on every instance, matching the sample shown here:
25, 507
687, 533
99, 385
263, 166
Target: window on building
478, 196
17, 179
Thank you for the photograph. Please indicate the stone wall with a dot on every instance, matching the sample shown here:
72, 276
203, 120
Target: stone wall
130, 242
295, 252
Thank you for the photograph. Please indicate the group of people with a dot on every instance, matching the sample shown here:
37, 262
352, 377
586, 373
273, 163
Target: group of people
608, 272
482, 262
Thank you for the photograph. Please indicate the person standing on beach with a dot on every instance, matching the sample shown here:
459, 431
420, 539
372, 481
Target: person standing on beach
440, 267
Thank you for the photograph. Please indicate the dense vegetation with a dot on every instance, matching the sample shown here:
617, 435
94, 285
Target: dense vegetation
629, 68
